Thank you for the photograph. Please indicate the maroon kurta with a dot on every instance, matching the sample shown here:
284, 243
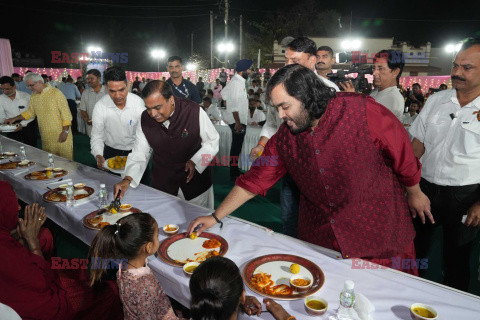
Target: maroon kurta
350, 172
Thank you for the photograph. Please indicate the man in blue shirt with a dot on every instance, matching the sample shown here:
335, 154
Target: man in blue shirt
70, 91
181, 88
20, 84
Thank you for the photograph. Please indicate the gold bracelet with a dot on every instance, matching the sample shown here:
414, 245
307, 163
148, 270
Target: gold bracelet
291, 318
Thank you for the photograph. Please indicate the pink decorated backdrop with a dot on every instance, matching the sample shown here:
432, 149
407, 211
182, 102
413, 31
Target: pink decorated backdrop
210, 75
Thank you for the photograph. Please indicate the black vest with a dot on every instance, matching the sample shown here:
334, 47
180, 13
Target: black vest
173, 147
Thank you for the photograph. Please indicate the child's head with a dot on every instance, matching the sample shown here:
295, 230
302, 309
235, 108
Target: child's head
134, 235
217, 289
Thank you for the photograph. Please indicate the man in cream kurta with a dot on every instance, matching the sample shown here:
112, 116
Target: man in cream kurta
53, 114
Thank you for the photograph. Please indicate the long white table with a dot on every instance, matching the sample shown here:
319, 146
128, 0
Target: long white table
391, 292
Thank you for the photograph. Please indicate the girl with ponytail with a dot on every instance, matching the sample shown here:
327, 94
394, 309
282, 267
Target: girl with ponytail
132, 239
217, 291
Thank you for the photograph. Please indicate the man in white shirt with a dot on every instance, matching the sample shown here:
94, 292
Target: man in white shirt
235, 96
91, 96
211, 109
183, 140
408, 118
447, 139
115, 118
12, 104
255, 117
387, 70
323, 66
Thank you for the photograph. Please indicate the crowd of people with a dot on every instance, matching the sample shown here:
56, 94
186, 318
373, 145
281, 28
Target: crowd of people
354, 180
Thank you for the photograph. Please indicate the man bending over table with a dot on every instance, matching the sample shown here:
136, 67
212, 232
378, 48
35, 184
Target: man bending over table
352, 161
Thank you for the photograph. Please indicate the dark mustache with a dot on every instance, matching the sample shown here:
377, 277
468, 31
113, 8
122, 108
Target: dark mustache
458, 78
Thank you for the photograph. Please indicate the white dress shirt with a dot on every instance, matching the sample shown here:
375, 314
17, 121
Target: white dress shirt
391, 98
10, 108
89, 99
452, 146
258, 116
214, 112
114, 127
235, 95
138, 159
406, 119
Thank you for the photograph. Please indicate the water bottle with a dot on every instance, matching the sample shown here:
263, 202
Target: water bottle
69, 194
51, 163
23, 156
102, 195
347, 301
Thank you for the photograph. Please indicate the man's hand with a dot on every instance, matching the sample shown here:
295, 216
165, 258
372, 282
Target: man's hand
30, 225
473, 215
100, 161
238, 126
206, 222
89, 122
419, 204
251, 306
347, 86
11, 120
276, 309
122, 186
257, 151
190, 168
62, 137
20, 127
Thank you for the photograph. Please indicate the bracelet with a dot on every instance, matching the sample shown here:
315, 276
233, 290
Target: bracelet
218, 221
260, 143
291, 318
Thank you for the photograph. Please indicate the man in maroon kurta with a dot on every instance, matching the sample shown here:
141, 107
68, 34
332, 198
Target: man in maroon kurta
352, 161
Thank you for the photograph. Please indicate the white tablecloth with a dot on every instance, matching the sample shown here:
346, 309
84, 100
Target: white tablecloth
252, 135
225, 143
390, 291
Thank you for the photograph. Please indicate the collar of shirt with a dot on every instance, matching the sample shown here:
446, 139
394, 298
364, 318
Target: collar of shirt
102, 89
453, 98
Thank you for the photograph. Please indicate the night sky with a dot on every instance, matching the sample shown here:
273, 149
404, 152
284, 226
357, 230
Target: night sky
136, 27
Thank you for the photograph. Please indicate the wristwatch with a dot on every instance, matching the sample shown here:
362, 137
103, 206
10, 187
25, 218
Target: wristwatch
66, 131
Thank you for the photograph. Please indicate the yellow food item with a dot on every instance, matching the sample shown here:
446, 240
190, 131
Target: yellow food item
113, 210
117, 162
316, 304
423, 312
301, 282
193, 235
190, 269
294, 268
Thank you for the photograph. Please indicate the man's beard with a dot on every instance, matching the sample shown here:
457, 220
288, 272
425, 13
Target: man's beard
302, 122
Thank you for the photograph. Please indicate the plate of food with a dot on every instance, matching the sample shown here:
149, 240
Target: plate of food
6, 128
100, 218
12, 165
179, 249
46, 174
115, 164
283, 276
59, 194
9, 154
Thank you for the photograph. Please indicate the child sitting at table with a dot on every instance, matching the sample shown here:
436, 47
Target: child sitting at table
133, 238
218, 293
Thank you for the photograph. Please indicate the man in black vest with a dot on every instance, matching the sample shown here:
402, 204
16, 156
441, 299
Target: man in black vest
183, 140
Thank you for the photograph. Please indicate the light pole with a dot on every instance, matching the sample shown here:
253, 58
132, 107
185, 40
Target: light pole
225, 47
158, 54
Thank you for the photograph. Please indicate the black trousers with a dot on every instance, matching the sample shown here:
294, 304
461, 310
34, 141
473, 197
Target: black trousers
109, 152
448, 205
236, 148
27, 135
73, 109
